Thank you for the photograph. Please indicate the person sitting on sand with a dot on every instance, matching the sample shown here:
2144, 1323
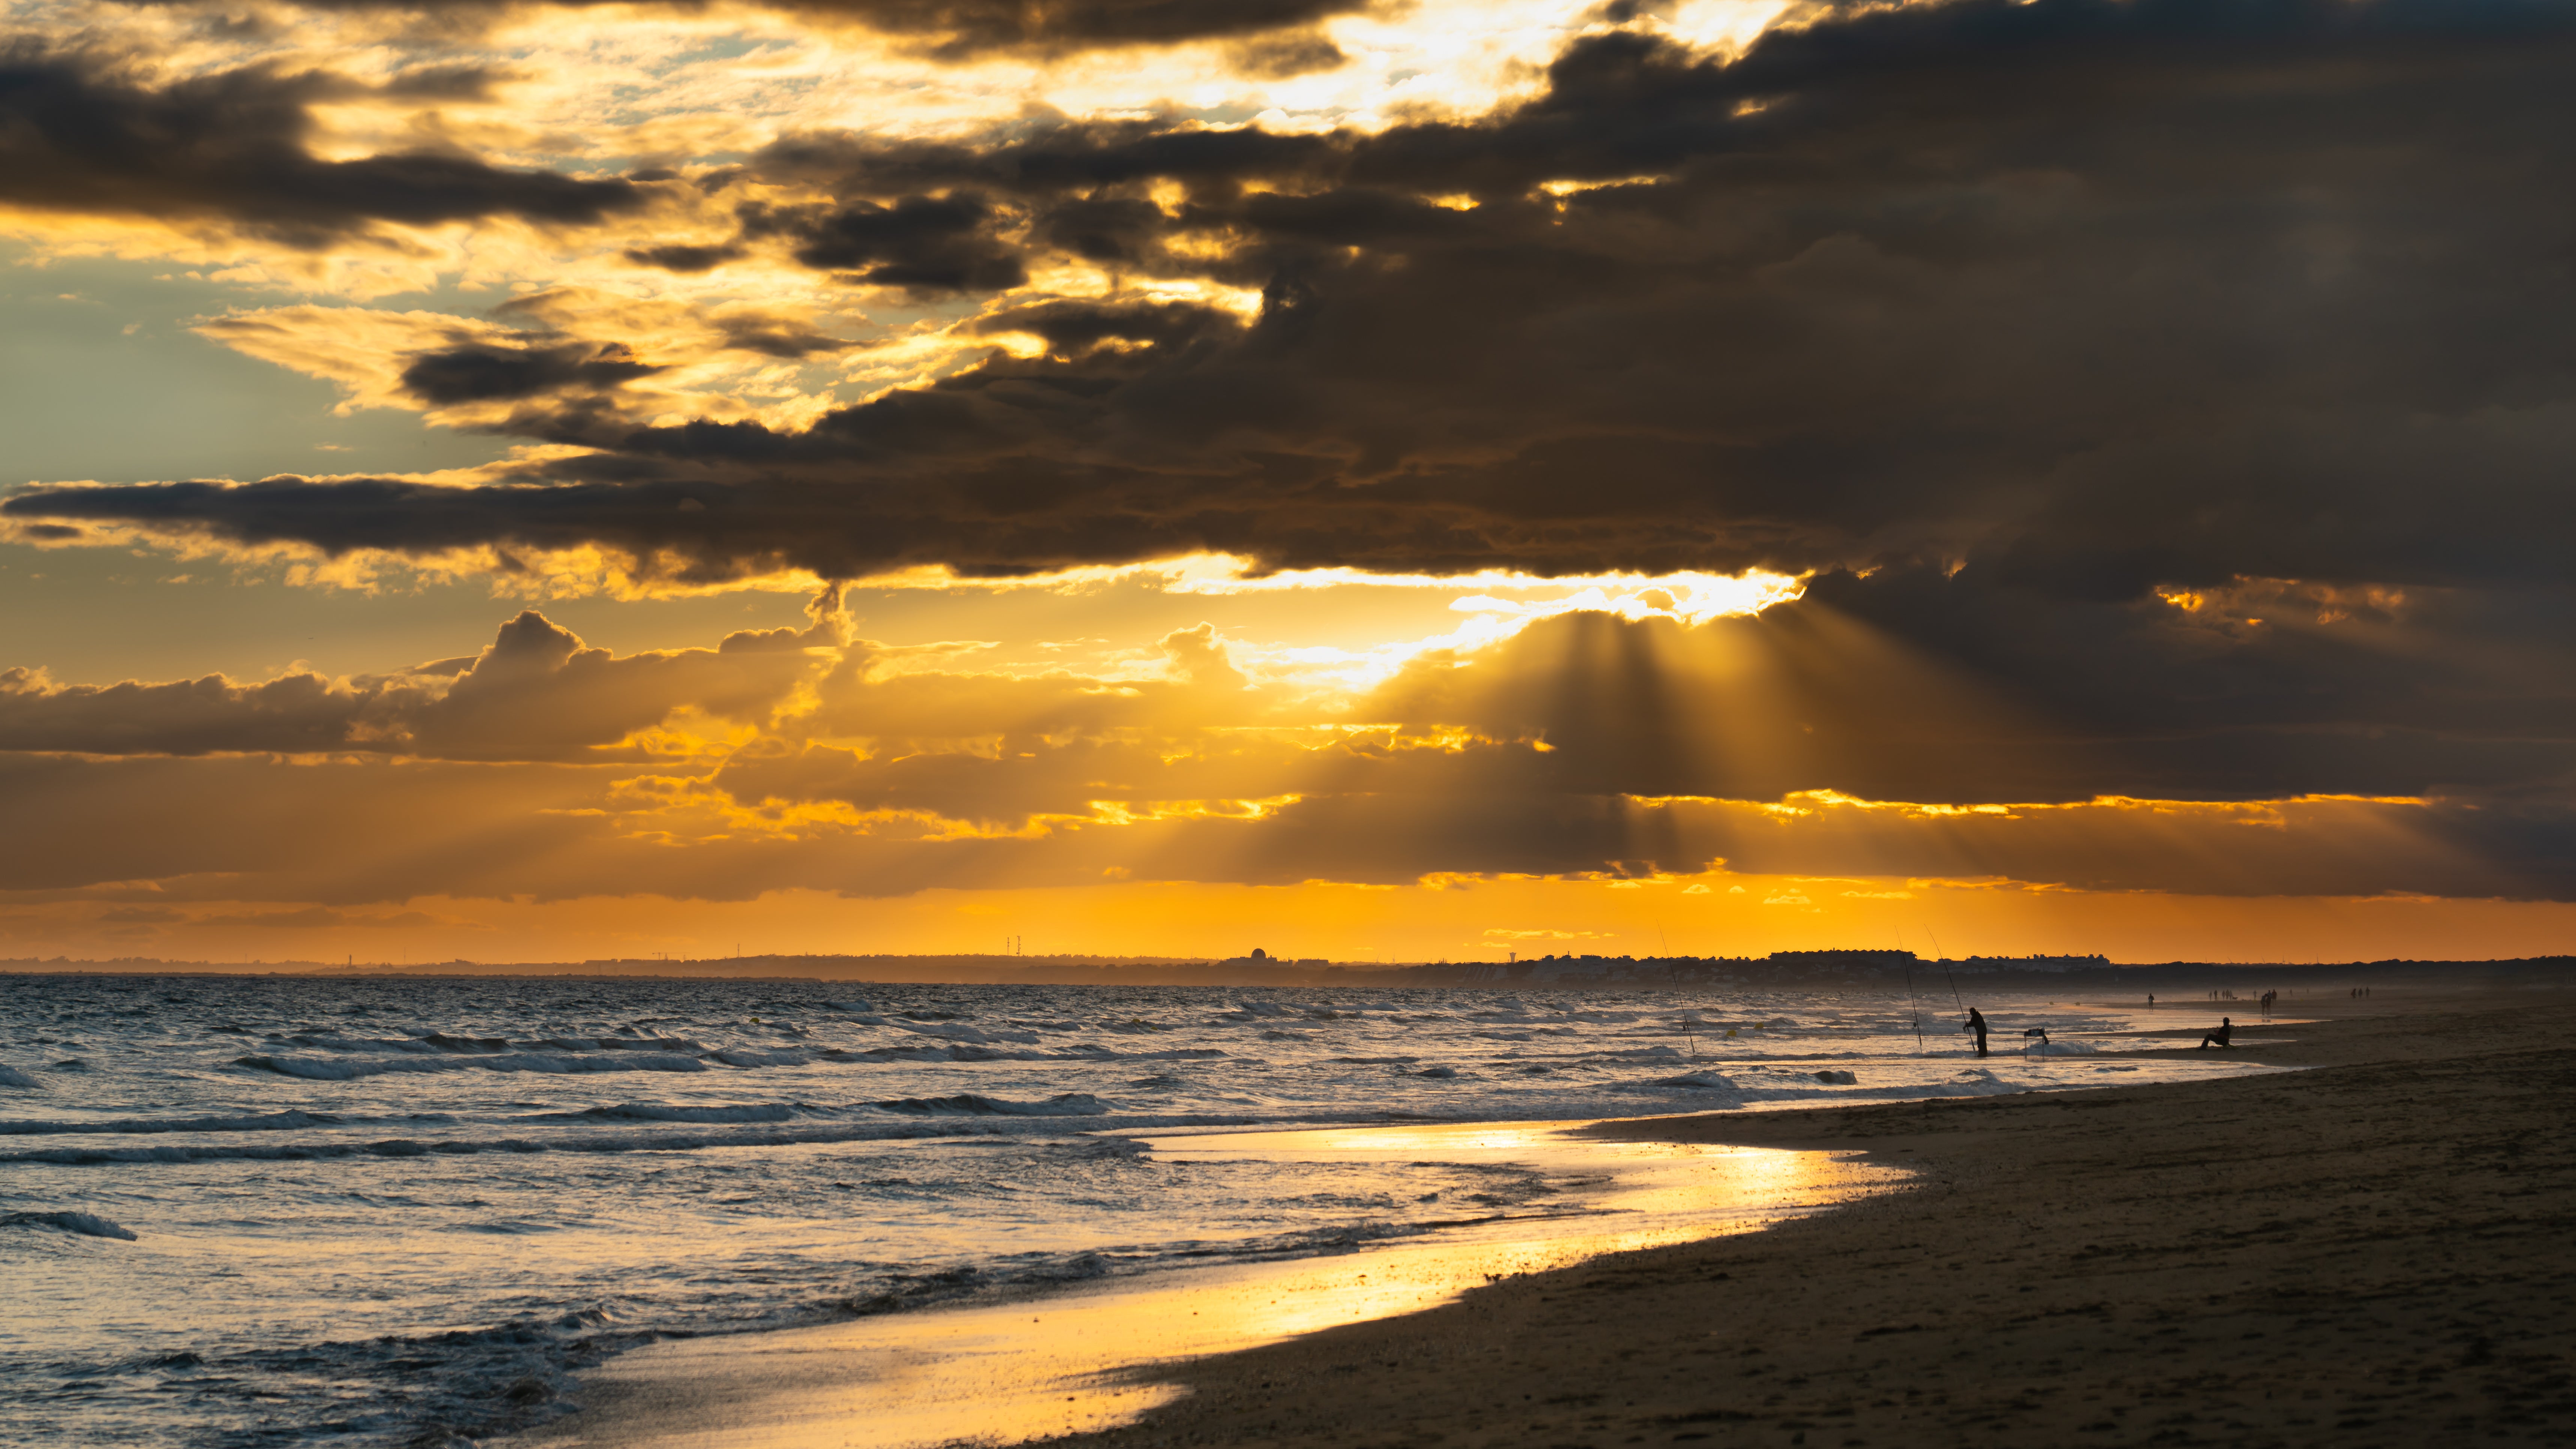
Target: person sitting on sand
1977, 1024
2226, 1029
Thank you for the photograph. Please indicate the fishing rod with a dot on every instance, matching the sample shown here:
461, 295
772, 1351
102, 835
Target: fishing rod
1944, 958
1913, 1007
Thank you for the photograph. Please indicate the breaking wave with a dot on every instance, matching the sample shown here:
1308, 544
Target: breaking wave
262, 1122
344, 1069
968, 1104
88, 1225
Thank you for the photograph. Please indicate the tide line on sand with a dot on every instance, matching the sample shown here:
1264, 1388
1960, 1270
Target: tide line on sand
2253, 1259
1082, 1359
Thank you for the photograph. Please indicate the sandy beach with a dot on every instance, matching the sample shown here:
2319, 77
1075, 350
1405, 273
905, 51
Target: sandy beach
2381, 1250
2376, 1250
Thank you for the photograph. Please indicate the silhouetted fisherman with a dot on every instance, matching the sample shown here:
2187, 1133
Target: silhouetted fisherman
1977, 1024
2226, 1029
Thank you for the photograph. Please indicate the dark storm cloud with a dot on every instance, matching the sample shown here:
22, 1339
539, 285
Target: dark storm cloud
1071, 328
454, 82
479, 372
2032, 309
1915, 686
79, 136
989, 518
1295, 53
923, 244
772, 335
970, 26
684, 258
2115, 294
1276, 36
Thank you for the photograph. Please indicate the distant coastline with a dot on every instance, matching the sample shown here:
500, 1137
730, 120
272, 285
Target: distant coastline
1799, 970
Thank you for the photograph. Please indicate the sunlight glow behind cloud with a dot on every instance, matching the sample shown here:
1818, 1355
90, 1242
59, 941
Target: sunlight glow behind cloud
1568, 455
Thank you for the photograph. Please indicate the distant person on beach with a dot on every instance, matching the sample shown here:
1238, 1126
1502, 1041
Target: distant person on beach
1977, 1024
2151, 1001
2226, 1029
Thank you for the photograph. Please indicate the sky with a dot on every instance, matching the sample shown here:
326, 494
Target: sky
1366, 480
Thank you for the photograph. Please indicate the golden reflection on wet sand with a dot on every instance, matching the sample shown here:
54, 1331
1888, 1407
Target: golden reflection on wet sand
1080, 1358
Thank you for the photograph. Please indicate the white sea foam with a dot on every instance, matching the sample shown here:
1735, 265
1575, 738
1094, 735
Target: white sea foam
12, 1077
1696, 1081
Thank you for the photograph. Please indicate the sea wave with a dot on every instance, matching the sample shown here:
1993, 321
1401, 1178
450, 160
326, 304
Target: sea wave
341, 1069
810, 1150
1063, 1104
88, 1225
423, 1041
932, 1118
656, 1112
260, 1122
1082, 1052
950, 1031
353, 1067
760, 1057
1697, 1081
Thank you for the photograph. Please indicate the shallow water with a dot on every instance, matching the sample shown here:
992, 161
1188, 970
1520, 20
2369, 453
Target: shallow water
1097, 1355
388, 1210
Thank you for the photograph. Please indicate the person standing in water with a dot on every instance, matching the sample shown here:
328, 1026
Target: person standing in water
1977, 1024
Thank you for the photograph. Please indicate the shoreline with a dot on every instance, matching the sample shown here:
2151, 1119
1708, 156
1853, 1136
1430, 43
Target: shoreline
1429, 1374
2381, 1250
1039, 1363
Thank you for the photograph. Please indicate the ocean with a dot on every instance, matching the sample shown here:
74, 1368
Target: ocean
255, 1211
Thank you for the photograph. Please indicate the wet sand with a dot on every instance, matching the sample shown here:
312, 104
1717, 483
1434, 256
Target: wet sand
2381, 1251
1085, 1356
